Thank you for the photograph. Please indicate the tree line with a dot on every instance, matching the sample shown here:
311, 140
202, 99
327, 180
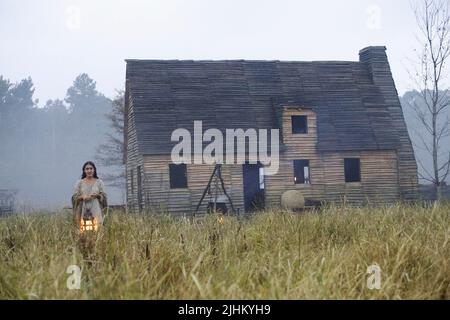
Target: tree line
43, 148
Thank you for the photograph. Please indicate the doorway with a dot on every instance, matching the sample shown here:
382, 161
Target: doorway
253, 178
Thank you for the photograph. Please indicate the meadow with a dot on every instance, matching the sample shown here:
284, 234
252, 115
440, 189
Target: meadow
319, 254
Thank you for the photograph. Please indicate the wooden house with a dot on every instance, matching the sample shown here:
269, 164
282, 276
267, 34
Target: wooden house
342, 130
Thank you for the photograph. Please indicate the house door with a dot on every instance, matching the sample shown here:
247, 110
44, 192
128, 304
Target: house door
253, 178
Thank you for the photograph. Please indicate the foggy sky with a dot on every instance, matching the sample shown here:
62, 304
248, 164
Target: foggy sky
52, 43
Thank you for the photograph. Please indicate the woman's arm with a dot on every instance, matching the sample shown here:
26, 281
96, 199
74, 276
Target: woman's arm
101, 186
102, 197
77, 194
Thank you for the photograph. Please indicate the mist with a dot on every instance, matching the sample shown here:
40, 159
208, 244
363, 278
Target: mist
44, 148
61, 63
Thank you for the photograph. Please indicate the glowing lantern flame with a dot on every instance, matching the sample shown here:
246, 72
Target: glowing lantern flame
88, 224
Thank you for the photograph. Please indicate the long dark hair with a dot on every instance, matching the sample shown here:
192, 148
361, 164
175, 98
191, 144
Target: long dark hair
84, 166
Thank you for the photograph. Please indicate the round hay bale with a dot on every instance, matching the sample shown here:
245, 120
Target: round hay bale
292, 200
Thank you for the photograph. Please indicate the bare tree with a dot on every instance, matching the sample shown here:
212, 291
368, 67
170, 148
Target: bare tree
433, 20
110, 154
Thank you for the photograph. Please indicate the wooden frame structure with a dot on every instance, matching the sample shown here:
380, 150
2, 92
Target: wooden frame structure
352, 110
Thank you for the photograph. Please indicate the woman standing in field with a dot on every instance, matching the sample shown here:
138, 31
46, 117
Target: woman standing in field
89, 195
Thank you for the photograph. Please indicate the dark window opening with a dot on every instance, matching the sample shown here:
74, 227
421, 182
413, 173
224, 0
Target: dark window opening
301, 172
352, 170
299, 124
178, 176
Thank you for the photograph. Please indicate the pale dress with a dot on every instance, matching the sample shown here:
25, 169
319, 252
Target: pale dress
86, 189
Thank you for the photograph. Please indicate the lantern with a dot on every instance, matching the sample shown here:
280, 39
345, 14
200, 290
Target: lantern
88, 222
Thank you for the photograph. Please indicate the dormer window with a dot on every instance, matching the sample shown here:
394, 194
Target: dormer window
299, 124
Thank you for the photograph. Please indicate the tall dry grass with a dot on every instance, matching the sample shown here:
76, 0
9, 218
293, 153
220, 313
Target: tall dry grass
322, 254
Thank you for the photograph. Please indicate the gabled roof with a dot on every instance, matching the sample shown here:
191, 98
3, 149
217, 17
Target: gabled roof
170, 94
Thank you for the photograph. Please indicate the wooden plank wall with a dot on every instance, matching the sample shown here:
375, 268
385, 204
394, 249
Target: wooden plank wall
134, 159
159, 196
379, 178
376, 60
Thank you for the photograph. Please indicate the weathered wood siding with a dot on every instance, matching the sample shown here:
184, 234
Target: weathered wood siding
379, 177
134, 159
379, 174
159, 196
355, 113
377, 63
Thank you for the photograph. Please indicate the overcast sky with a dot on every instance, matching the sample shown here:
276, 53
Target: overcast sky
55, 40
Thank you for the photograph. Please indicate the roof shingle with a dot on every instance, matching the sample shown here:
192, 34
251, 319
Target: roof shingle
171, 94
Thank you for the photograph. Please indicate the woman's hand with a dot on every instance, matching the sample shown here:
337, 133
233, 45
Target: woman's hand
87, 198
84, 198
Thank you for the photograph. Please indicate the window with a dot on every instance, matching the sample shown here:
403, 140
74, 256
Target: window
301, 172
178, 176
299, 124
352, 170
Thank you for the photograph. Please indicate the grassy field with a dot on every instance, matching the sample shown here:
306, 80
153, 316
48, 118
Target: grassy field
322, 254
